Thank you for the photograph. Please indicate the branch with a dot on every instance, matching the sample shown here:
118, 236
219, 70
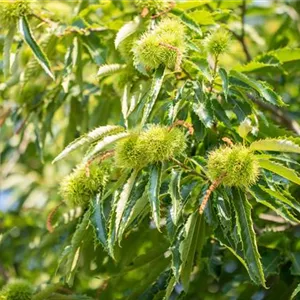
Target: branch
280, 116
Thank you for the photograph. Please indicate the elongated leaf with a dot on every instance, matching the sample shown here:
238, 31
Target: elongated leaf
174, 191
105, 70
98, 221
112, 234
127, 30
88, 138
280, 209
261, 87
296, 292
102, 144
188, 247
170, 288
225, 81
187, 20
37, 51
125, 103
134, 206
282, 198
280, 170
245, 229
153, 192
123, 200
275, 145
75, 248
6, 49
154, 91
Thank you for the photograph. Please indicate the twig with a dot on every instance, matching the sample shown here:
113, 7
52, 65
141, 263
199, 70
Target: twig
172, 4
105, 155
50, 217
184, 124
280, 116
183, 166
213, 186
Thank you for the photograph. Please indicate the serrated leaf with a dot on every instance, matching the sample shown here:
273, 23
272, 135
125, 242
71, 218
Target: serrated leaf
275, 205
37, 51
280, 170
275, 145
153, 192
174, 191
6, 49
188, 247
98, 220
154, 91
108, 140
135, 205
187, 20
89, 138
126, 31
281, 198
245, 229
122, 202
260, 87
202, 17
105, 70
225, 81
296, 292
256, 66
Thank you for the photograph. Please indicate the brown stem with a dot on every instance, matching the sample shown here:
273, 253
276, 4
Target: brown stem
105, 155
50, 217
228, 141
184, 124
172, 4
179, 55
212, 187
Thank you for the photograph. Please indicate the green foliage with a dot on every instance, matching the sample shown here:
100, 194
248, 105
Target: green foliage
168, 108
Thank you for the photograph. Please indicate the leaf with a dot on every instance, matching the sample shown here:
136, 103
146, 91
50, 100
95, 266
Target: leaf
202, 17
102, 144
154, 91
125, 102
135, 204
296, 291
281, 198
256, 66
193, 230
225, 81
170, 288
280, 170
262, 88
275, 145
265, 199
37, 51
6, 49
105, 70
245, 229
174, 191
153, 192
126, 31
98, 221
75, 248
122, 202
187, 20
89, 138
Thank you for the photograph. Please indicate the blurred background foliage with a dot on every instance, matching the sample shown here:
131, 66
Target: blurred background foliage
39, 116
